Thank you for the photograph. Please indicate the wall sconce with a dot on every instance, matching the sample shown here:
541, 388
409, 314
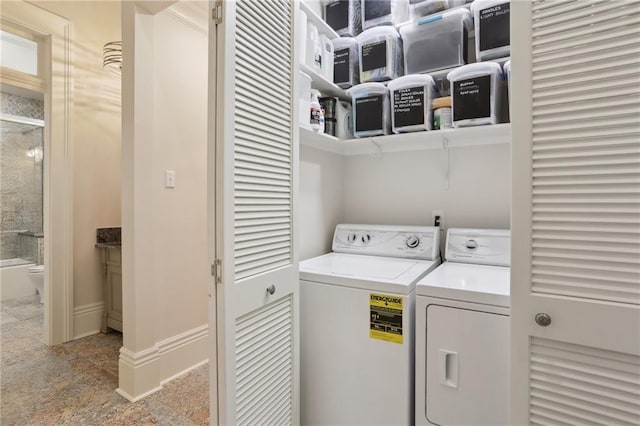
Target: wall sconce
112, 58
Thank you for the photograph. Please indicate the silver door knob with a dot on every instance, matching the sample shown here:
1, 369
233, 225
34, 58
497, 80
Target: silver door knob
271, 289
543, 319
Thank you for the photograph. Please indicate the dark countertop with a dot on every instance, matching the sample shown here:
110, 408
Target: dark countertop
109, 245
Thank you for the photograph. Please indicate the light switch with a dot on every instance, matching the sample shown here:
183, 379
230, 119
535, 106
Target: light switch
169, 179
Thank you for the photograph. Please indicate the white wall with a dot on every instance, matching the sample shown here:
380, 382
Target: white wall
96, 125
404, 188
321, 199
165, 267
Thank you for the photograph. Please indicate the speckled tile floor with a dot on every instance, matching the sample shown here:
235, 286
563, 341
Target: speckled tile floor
74, 383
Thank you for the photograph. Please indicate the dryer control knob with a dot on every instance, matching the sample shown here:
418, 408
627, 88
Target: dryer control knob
351, 237
413, 241
366, 238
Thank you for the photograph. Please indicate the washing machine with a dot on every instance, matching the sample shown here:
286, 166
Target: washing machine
462, 332
357, 325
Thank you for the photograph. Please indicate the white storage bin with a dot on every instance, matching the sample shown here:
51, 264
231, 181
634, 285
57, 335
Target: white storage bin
411, 98
370, 110
436, 42
304, 102
384, 12
380, 54
346, 60
476, 93
313, 51
344, 16
491, 19
421, 8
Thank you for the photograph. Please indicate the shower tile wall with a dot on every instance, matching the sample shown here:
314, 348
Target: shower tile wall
20, 179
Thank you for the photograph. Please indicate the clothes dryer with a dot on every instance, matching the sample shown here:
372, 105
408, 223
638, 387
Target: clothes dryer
462, 332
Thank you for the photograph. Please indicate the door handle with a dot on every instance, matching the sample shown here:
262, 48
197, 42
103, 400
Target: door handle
543, 320
271, 289
449, 368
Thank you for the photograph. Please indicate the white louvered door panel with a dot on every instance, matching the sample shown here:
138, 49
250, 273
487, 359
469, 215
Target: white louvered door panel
256, 182
576, 211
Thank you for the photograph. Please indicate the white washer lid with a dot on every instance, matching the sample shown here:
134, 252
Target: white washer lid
36, 269
367, 272
488, 285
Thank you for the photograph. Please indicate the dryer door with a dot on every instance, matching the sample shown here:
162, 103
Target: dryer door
467, 367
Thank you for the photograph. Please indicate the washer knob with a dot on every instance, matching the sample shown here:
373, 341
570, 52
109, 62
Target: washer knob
366, 238
413, 241
351, 237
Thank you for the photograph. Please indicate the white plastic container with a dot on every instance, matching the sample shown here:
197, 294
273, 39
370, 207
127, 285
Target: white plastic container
507, 71
346, 60
384, 12
371, 110
344, 16
314, 49
380, 54
437, 41
491, 18
304, 103
344, 121
316, 114
475, 93
327, 57
302, 35
411, 98
422, 8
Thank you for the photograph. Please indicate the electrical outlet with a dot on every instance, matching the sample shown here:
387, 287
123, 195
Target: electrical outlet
437, 218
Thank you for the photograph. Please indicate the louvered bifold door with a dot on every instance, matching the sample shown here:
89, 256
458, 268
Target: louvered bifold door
256, 181
576, 212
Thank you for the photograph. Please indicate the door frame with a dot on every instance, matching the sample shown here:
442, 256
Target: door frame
56, 82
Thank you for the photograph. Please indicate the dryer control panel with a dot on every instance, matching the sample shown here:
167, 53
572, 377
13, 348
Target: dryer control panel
479, 246
411, 242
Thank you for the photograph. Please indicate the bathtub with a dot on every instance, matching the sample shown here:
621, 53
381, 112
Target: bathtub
14, 279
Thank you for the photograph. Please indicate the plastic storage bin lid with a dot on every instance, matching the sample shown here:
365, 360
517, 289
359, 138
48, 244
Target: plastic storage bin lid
343, 42
367, 89
471, 70
410, 80
376, 32
463, 13
507, 66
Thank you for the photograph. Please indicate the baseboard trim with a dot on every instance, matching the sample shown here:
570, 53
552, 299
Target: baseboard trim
145, 372
87, 319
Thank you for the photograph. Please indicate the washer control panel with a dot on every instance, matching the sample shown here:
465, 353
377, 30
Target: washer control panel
479, 246
414, 242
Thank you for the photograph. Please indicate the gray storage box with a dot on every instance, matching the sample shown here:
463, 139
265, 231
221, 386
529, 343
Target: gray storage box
371, 111
384, 12
380, 54
346, 62
437, 41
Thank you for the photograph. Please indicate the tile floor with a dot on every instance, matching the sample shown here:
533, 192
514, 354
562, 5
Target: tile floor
74, 383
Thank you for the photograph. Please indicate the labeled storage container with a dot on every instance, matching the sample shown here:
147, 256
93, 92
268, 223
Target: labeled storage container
476, 94
346, 60
437, 41
384, 12
344, 16
380, 54
371, 111
411, 98
491, 18
422, 8
304, 103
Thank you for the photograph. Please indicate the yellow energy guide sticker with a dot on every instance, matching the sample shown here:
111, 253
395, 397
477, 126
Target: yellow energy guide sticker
386, 317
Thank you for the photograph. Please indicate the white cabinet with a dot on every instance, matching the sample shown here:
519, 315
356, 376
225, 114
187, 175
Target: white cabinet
112, 264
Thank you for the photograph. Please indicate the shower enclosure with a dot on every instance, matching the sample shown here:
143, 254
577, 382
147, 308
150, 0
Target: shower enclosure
21, 190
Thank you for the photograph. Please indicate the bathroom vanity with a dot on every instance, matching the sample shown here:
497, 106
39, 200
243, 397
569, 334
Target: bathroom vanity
109, 242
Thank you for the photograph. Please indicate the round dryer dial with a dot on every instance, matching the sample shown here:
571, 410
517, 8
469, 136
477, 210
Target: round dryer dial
366, 238
413, 241
351, 237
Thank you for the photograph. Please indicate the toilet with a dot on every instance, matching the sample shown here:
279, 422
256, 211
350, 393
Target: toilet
36, 276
